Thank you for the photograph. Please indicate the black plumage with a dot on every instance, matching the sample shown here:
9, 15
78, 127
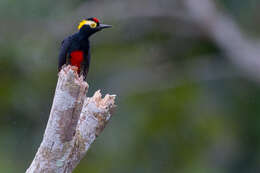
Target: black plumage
75, 49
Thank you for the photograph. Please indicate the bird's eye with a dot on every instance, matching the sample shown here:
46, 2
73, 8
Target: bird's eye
90, 23
93, 25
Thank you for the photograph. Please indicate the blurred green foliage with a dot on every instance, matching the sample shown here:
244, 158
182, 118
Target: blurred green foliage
182, 106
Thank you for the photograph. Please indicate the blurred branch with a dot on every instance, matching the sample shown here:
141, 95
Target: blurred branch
227, 35
74, 123
222, 29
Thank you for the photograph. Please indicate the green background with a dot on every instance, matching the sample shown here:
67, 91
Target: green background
183, 106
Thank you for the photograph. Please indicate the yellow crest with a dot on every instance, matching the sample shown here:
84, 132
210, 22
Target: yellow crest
91, 23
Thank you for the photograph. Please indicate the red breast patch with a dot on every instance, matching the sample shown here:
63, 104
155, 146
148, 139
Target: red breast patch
76, 59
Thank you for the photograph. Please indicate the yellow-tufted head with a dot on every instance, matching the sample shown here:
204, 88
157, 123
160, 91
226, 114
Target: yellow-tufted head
90, 23
93, 24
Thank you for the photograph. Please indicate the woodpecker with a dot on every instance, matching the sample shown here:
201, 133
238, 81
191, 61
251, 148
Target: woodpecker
75, 49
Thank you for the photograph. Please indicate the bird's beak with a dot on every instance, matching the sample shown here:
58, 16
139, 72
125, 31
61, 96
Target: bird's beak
102, 26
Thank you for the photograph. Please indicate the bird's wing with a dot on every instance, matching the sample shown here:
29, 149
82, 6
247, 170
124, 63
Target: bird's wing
63, 51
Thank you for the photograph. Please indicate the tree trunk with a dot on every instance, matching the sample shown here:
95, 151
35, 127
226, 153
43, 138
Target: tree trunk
74, 123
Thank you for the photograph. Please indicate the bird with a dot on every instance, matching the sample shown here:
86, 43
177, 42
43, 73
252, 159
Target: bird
75, 49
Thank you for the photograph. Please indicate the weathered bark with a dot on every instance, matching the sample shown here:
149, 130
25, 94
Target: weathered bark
95, 114
72, 127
